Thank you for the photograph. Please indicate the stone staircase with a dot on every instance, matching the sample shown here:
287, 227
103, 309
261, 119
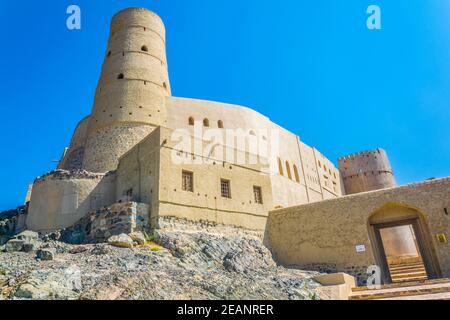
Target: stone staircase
419, 290
408, 272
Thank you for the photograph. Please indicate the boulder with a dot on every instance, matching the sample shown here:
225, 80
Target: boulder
14, 245
121, 241
139, 238
28, 236
46, 254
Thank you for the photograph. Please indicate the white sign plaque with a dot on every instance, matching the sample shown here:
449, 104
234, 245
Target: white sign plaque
361, 248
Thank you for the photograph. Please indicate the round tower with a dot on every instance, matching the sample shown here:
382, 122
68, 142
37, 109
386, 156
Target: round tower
366, 171
129, 100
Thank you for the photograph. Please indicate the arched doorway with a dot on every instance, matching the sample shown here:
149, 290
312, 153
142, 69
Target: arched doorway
402, 244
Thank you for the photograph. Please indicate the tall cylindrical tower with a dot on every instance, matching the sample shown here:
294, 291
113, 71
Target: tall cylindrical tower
366, 171
129, 101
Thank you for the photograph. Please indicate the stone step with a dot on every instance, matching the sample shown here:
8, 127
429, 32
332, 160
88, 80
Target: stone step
403, 292
407, 284
406, 275
406, 267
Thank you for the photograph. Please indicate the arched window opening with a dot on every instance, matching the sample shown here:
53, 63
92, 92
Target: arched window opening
191, 121
220, 124
164, 85
144, 48
288, 170
297, 177
120, 76
109, 53
280, 167
205, 122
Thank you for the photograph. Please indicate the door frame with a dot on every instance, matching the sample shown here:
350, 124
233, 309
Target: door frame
423, 247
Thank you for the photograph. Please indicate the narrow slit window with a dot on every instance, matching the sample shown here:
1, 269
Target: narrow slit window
288, 170
280, 167
297, 176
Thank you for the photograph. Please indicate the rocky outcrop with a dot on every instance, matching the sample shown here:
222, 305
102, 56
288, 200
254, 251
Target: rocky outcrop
12, 222
184, 262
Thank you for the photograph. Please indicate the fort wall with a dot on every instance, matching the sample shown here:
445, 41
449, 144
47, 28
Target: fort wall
61, 198
323, 236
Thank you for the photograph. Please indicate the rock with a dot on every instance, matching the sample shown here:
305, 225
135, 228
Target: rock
27, 236
46, 254
14, 245
100, 250
26, 241
30, 246
139, 238
78, 249
3, 280
58, 284
121, 241
28, 291
232, 262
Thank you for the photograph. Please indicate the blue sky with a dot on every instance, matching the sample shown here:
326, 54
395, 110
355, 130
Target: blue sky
311, 66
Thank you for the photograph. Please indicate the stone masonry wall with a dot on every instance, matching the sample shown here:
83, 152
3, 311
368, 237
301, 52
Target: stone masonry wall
116, 219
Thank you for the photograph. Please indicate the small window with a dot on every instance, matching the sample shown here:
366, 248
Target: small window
187, 181
220, 124
288, 170
144, 48
109, 53
280, 167
120, 76
225, 188
164, 85
205, 122
191, 121
297, 177
320, 165
258, 195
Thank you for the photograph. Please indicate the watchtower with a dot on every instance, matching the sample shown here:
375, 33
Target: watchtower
129, 99
366, 171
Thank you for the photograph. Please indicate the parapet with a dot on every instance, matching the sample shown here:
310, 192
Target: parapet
366, 171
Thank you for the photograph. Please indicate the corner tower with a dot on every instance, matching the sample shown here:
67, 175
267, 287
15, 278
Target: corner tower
366, 171
129, 99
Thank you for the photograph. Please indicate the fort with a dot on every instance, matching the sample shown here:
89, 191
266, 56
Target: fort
311, 213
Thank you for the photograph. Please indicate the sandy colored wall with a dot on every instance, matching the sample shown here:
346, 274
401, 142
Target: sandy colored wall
366, 171
290, 150
61, 198
129, 100
323, 236
164, 191
139, 170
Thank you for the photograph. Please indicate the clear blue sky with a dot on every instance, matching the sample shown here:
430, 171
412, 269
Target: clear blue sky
311, 66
